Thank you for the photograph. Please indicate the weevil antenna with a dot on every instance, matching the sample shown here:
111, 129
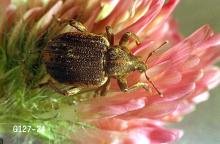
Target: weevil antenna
159, 93
151, 53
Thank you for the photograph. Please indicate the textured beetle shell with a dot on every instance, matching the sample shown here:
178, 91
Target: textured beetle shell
76, 58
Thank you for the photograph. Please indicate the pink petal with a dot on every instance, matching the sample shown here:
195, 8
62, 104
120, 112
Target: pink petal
179, 91
176, 54
169, 78
192, 76
174, 93
191, 62
32, 14
91, 20
157, 70
122, 125
114, 14
111, 106
3, 5
165, 136
111, 124
37, 3
143, 47
211, 77
139, 25
146, 47
200, 35
183, 108
153, 111
138, 131
8, 18
70, 13
68, 5
211, 57
163, 16
180, 51
137, 10
159, 33
211, 42
201, 97
46, 19
173, 35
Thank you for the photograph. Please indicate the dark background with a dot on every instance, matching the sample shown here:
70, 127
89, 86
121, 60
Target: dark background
203, 125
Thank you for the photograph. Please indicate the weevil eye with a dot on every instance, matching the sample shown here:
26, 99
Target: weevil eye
142, 67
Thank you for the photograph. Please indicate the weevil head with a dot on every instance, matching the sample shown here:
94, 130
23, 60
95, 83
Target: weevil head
120, 62
140, 66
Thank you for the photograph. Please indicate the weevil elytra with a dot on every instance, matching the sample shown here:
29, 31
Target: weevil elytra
87, 60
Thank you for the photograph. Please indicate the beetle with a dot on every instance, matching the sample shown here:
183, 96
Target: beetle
86, 60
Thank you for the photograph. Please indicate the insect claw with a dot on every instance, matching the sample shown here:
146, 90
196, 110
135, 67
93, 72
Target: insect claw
58, 20
149, 90
138, 41
161, 95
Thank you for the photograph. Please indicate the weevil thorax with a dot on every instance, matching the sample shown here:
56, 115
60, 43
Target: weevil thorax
119, 62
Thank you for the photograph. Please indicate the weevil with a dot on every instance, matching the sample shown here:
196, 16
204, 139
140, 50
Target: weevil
86, 60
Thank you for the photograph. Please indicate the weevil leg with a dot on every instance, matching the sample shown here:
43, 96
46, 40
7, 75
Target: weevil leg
72, 91
101, 91
124, 41
66, 92
54, 87
76, 24
110, 35
138, 86
124, 86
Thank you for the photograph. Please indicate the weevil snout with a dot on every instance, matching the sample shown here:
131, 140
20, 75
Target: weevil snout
141, 67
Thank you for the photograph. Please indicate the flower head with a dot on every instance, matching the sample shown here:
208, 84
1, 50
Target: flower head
182, 70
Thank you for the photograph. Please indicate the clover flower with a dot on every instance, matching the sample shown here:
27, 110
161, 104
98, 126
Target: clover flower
182, 70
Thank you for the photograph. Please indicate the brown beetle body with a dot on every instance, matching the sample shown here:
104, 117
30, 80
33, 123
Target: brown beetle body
83, 59
77, 59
